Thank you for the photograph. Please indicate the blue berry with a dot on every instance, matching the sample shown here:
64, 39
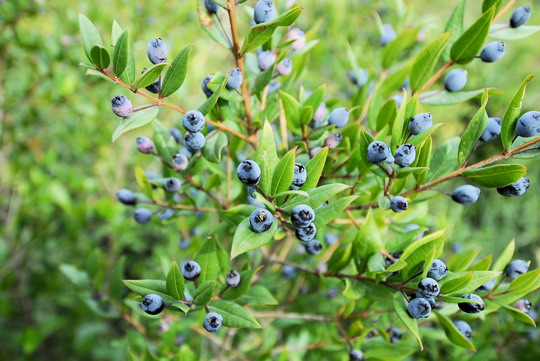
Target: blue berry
152, 304
193, 121
333, 140
405, 155
306, 234
472, 307
144, 145
399, 204
166, 214
191, 270
515, 189
176, 134
211, 6
388, 34
125, 196
528, 125
492, 52
420, 122
466, 194
318, 116
330, 239
266, 60
419, 308
172, 185
121, 106
486, 286
142, 215
523, 305
356, 355
313, 247
520, 16
377, 152
437, 270
249, 173
516, 268
358, 77
395, 334
235, 79
300, 176
455, 80
284, 67
157, 51
261, 220
339, 117
492, 131
289, 272
298, 37
194, 141
180, 162
154, 87
464, 328
232, 278
302, 216
184, 243
428, 287
204, 86
264, 11
212, 322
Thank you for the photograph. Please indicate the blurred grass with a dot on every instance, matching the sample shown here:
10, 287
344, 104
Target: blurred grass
60, 170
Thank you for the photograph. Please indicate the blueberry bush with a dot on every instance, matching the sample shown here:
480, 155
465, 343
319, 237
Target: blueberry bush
283, 217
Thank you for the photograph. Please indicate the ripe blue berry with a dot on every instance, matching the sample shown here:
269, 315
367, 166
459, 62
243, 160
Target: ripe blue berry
419, 308
486, 286
492, 131
125, 196
284, 67
166, 214
515, 189
306, 234
211, 6
264, 11
266, 60
152, 304
405, 155
333, 140
249, 173
298, 37
193, 121
235, 79
437, 270
232, 278
455, 80
516, 268
194, 141
520, 16
466, 194
313, 247
261, 220
191, 270
428, 287
144, 145
172, 185
395, 334
204, 86
399, 204
184, 243
121, 106
318, 117
472, 307
358, 77
464, 328
302, 216
289, 272
300, 176
180, 162
377, 152
492, 52
339, 117
528, 125
330, 239
420, 122
523, 305
212, 322
388, 34
154, 87
356, 355
176, 134
157, 51
142, 215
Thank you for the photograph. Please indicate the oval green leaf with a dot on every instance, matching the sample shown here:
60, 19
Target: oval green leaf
136, 120
496, 176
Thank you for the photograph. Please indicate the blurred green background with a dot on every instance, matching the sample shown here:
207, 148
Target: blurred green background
59, 170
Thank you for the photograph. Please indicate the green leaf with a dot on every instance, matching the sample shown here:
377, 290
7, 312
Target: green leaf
234, 315
283, 173
416, 253
487, 4
512, 113
259, 34
100, 57
142, 181
292, 108
317, 196
176, 74
135, 120
209, 104
503, 32
145, 287
442, 97
417, 140
89, 35
128, 75
204, 293
266, 156
455, 24
451, 284
116, 32
392, 51
246, 277
429, 261
425, 61
257, 296
216, 141
452, 299
149, 76
468, 46
367, 242
496, 176
121, 53
165, 145
175, 282
518, 315
401, 309
262, 80
453, 333
399, 124
328, 213
479, 278
245, 239
212, 258
213, 24
293, 193
474, 131
76, 276
524, 281
315, 99
314, 169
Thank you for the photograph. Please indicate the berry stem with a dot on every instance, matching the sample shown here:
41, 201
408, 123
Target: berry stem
507, 7
435, 77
